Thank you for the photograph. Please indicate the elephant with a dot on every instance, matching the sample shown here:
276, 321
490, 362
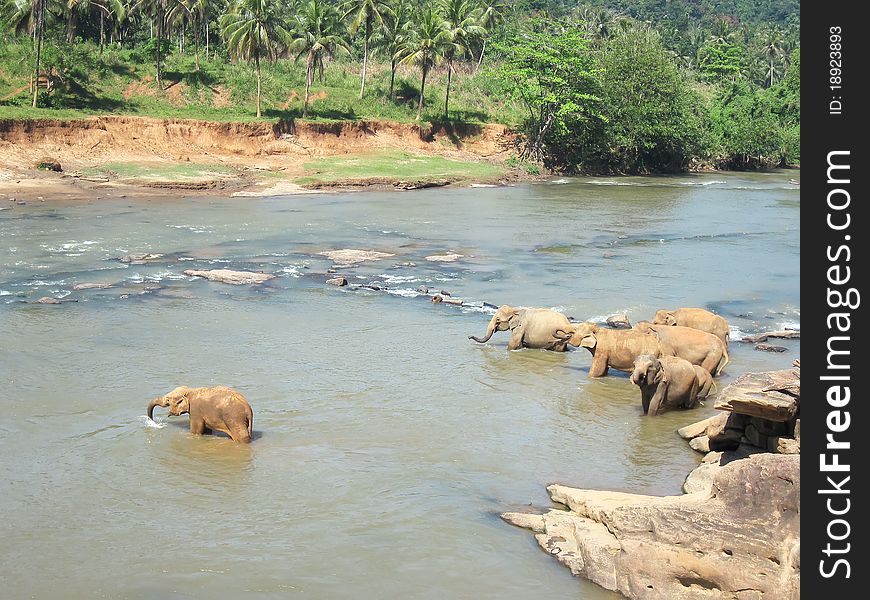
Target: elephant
616, 348
669, 382
696, 346
696, 318
530, 328
211, 408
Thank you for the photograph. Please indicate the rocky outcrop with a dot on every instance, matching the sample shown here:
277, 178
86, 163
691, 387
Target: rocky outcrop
231, 277
348, 257
737, 537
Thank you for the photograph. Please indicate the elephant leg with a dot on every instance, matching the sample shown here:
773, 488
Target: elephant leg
240, 434
645, 397
599, 366
710, 364
516, 341
197, 427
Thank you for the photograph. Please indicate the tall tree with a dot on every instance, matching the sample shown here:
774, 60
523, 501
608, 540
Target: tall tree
155, 10
253, 30
462, 18
426, 47
41, 6
318, 31
365, 14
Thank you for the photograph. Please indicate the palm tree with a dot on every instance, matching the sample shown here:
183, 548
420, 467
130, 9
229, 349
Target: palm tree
772, 51
252, 30
318, 32
156, 11
426, 48
462, 18
365, 14
393, 34
41, 7
492, 13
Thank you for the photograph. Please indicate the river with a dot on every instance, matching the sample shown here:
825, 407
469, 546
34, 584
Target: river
386, 443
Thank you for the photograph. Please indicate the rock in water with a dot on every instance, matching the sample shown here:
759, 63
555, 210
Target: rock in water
91, 286
230, 276
770, 348
737, 538
48, 300
339, 281
349, 257
139, 258
619, 322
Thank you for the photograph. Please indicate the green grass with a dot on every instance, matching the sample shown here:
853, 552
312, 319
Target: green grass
160, 171
396, 165
121, 81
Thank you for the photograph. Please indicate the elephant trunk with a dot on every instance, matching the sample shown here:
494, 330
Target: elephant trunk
156, 402
489, 331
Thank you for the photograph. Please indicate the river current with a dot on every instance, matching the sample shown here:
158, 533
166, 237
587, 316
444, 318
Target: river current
385, 442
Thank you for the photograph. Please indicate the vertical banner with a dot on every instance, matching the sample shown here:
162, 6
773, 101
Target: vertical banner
834, 250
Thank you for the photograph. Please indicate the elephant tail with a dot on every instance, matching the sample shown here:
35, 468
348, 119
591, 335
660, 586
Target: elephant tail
724, 361
250, 422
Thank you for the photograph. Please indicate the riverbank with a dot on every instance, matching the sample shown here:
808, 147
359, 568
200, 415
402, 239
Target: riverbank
114, 156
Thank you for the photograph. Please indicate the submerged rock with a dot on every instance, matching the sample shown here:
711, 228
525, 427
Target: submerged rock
770, 348
230, 276
738, 537
447, 257
348, 257
618, 321
339, 281
91, 286
139, 258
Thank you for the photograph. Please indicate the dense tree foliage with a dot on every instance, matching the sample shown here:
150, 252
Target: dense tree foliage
604, 85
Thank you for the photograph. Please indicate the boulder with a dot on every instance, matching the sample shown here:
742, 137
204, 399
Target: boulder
230, 276
700, 444
738, 538
448, 257
700, 428
438, 299
91, 286
139, 258
771, 395
770, 348
47, 300
339, 281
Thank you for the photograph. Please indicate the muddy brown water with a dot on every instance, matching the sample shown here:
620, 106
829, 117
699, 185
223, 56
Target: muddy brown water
386, 443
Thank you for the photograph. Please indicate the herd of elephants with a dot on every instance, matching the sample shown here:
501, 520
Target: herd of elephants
672, 359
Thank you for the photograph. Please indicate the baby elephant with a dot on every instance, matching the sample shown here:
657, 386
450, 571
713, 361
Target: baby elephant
669, 382
220, 408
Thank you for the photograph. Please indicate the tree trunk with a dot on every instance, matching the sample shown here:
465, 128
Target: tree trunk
71, 25
159, 40
480, 60
206, 38
362, 87
309, 75
40, 33
196, 43
102, 31
447, 97
257, 60
422, 94
392, 79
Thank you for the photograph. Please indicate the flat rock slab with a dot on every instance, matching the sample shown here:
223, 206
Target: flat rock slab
91, 286
772, 395
762, 337
139, 258
230, 276
348, 257
448, 257
737, 537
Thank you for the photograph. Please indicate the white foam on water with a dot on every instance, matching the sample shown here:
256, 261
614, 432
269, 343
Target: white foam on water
136, 278
152, 424
405, 293
702, 183
792, 325
478, 307
291, 271
60, 293
43, 283
491, 185
5, 293
734, 333
399, 278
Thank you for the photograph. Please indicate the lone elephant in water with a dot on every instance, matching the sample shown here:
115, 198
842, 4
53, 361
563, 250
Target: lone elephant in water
696, 318
529, 327
210, 408
616, 348
696, 346
669, 382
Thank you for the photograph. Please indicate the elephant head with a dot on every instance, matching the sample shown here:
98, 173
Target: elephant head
647, 370
177, 400
506, 317
665, 317
582, 334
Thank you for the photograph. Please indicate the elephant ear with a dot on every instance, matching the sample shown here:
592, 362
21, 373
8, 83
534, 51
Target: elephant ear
671, 319
514, 320
588, 341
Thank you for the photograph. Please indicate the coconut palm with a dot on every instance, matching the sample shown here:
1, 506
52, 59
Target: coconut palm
393, 34
492, 13
426, 47
252, 30
462, 18
318, 32
365, 14
772, 51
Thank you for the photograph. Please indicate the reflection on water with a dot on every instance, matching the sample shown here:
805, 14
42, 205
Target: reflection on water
386, 443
